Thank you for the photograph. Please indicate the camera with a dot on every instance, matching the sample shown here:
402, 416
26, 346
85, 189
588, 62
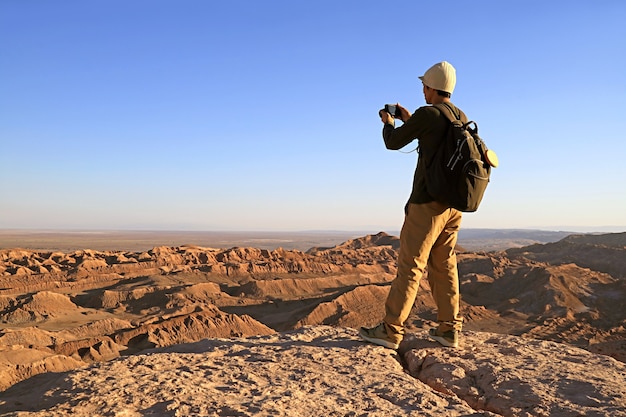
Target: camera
393, 110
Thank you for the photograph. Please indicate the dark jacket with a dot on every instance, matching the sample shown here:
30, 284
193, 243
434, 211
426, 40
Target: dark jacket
429, 126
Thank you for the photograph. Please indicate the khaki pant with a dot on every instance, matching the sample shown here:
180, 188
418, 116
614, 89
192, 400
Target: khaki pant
428, 237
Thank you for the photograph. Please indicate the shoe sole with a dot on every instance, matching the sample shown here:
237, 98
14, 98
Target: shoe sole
443, 342
380, 342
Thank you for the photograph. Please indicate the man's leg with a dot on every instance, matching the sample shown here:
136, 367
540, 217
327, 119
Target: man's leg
443, 275
422, 225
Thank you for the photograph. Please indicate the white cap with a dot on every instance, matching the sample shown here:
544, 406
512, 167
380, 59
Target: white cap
441, 76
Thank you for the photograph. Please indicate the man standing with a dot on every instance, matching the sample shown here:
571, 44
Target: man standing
430, 228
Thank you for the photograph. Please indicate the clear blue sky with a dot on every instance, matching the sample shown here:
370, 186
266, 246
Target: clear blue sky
262, 115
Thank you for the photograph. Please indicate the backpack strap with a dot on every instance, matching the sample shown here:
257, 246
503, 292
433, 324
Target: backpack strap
447, 111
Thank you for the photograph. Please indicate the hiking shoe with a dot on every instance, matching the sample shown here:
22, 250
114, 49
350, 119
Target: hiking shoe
448, 339
378, 335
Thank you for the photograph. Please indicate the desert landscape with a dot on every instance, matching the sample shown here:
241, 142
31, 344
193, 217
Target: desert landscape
263, 329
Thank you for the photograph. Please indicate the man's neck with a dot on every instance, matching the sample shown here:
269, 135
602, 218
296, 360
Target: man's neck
439, 100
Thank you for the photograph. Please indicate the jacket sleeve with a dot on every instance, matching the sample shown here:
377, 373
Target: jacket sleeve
418, 126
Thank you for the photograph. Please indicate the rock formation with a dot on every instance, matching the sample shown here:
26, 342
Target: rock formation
527, 308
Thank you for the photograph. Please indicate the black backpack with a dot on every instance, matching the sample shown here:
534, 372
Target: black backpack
459, 171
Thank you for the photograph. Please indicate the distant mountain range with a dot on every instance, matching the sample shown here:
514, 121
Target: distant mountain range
141, 240
500, 239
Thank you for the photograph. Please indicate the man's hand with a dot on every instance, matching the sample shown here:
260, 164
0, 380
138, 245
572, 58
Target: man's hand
404, 113
386, 118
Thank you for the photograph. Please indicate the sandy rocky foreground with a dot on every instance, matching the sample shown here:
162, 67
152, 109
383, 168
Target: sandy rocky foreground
242, 331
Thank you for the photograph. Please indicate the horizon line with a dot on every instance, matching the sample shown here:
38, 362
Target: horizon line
568, 229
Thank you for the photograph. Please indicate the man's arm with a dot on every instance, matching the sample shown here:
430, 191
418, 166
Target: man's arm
397, 138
